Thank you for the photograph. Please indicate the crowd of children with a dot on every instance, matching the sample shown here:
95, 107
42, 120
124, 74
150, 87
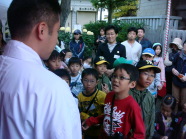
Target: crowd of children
121, 93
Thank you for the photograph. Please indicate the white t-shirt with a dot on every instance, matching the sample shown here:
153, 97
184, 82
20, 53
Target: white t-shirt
76, 84
34, 102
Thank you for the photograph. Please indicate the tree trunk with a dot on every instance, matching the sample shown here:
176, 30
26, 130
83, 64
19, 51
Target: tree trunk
65, 10
110, 12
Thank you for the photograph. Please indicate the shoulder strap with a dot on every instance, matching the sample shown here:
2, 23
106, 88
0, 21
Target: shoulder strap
91, 102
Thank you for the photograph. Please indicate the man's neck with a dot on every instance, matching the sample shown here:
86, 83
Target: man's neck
131, 41
111, 43
139, 39
121, 95
139, 88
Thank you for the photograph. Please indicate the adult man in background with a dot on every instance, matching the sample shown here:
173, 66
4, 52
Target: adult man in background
34, 103
145, 43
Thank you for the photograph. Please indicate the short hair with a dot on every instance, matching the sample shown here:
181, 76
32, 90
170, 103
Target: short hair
74, 60
87, 57
141, 28
170, 101
132, 29
131, 70
54, 55
154, 47
63, 73
24, 14
90, 71
109, 27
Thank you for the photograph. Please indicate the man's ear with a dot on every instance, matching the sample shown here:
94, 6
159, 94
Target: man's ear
132, 84
42, 30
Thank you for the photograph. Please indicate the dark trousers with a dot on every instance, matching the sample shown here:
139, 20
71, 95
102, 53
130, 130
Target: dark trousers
169, 76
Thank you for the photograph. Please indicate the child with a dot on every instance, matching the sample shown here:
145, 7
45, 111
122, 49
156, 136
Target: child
122, 115
54, 61
75, 67
77, 45
65, 54
100, 65
165, 120
181, 124
148, 54
64, 74
101, 38
147, 73
87, 62
91, 100
179, 78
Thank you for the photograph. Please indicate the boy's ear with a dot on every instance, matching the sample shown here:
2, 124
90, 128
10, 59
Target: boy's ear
132, 84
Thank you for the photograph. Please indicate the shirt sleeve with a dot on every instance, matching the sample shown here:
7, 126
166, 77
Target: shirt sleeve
123, 52
152, 120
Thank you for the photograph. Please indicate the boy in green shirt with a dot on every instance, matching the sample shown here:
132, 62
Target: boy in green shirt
147, 73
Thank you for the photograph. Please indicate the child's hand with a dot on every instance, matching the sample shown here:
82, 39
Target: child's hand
164, 137
84, 126
105, 88
175, 72
160, 87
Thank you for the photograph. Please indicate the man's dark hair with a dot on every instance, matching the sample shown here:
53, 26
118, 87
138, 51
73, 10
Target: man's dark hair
90, 71
54, 55
131, 70
74, 60
109, 27
23, 15
141, 28
132, 29
63, 73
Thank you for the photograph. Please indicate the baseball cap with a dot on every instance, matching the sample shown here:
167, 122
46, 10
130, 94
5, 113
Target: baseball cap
77, 31
100, 60
121, 60
146, 64
148, 51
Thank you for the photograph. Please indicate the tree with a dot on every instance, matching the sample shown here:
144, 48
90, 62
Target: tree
111, 5
129, 9
65, 10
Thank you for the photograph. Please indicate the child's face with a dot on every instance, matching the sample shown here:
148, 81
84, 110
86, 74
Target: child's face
131, 35
77, 36
102, 68
88, 61
66, 79
111, 36
102, 32
158, 50
146, 77
54, 64
166, 111
89, 83
74, 68
68, 55
121, 82
147, 57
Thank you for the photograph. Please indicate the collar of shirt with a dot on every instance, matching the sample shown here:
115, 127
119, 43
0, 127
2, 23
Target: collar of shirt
111, 46
19, 50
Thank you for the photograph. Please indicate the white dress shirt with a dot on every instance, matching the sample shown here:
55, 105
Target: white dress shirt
133, 52
34, 103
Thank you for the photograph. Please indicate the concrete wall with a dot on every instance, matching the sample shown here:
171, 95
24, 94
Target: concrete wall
152, 7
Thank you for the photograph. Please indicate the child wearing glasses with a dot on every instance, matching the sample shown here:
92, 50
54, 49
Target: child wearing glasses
91, 101
122, 115
147, 73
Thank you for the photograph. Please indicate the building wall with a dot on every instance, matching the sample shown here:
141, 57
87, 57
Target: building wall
152, 7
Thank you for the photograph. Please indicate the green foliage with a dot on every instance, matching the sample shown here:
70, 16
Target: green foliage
89, 42
65, 37
121, 25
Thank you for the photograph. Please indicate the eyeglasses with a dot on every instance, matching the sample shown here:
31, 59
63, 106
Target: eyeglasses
148, 75
89, 81
120, 77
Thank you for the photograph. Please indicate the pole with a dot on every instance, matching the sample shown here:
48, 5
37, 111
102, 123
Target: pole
167, 28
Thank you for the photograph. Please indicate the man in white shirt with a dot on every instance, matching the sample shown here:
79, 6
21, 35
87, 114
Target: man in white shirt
34, 103
133, 48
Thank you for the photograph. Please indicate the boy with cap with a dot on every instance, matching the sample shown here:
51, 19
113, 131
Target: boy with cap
77, 45
100, 65
147, 73
148, 54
